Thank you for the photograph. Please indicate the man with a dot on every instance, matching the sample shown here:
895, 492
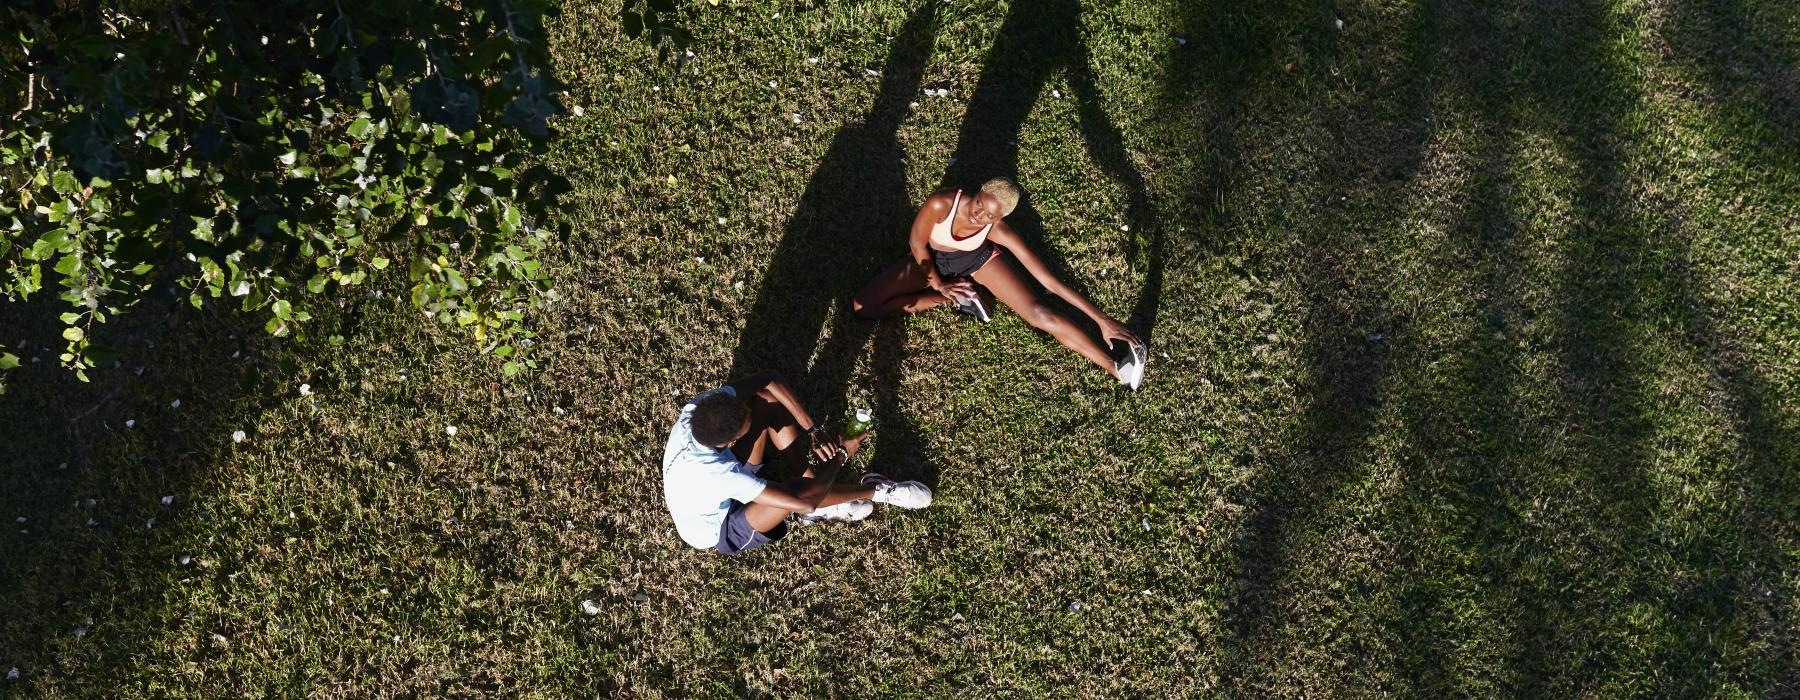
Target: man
724, 437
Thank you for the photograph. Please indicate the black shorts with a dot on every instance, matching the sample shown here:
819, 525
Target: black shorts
963, 263
736, 536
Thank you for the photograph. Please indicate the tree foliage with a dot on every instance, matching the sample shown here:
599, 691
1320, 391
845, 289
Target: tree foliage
274, 155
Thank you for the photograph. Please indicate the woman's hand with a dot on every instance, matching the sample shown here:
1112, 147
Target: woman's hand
957, 291
1111, 329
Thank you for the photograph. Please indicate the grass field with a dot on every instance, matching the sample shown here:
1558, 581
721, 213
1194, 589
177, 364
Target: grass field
1476, 357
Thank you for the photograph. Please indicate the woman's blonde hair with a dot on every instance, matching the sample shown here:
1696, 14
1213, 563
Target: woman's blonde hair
1004, 191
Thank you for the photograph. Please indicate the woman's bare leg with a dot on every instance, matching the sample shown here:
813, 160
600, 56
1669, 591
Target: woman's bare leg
901, 288
1011, 289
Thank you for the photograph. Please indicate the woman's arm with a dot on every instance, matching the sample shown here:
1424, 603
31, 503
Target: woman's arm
1110, 328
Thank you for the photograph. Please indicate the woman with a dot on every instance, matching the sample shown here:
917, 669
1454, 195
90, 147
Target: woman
958, 237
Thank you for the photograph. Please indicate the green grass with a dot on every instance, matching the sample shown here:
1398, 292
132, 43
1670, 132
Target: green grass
1477, 349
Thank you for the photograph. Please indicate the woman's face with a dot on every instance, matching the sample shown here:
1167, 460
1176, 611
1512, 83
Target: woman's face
983, 210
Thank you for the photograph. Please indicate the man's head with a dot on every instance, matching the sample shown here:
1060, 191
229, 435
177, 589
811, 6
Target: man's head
720, 419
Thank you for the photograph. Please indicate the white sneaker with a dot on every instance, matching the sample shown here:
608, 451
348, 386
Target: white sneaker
848, 511
911, 495
1142, 354
1131, 369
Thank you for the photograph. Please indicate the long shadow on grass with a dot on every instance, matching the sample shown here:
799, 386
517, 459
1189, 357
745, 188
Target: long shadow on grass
1736, 47
1035, 42
1465, 441
94, 553
1577, 581
1346, 317
851, 219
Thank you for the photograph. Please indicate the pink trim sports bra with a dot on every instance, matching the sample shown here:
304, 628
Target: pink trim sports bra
943, 239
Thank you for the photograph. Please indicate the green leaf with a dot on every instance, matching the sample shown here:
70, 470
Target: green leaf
68, 264
8, 360
64, 182
360, 127
73, 334
379, 263
511, 368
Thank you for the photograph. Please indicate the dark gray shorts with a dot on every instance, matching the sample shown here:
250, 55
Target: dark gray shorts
736, 536
963, 263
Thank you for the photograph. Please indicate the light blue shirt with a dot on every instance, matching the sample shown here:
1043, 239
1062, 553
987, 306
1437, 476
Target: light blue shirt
700, 482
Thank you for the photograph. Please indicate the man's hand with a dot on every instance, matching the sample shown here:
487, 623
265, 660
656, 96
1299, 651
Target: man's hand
826, 448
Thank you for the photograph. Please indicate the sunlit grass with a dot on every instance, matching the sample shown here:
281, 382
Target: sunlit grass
1475, 359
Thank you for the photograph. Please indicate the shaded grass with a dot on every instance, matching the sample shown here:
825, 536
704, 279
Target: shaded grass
1476, 356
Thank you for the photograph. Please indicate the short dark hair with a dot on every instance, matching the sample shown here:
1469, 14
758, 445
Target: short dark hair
717, 418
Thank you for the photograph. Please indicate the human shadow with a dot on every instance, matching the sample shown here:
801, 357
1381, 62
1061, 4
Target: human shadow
1035, 42
851, 220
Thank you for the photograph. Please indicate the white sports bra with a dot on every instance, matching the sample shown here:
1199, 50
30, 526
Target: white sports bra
943, 239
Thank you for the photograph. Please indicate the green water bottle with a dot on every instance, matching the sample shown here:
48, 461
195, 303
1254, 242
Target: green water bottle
859, 423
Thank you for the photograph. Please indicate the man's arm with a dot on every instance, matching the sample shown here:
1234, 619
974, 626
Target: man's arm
804, 495
772, 386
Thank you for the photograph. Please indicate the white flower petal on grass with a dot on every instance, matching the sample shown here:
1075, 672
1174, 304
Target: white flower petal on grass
1181, 41
1056, 94
450, 430
237, 436
175, 404
796, 118
577, 109
812, 59
556, 410
184, 559
12, 674
590, 607
871, 71
1340, 25
131, 423
305, 389
166, 500
20, 520
773, 84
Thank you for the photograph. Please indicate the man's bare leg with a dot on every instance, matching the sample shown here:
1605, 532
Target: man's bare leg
765, 518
